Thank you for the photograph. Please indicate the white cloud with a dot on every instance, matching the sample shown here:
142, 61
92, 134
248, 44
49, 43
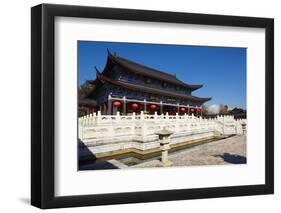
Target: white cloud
214, 109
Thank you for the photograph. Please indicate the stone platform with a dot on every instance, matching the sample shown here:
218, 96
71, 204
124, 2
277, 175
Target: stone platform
231, 150
226, 151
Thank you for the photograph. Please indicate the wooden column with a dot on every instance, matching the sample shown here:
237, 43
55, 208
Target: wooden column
178, 108
144, 102
124, 105
109, 105
101, 109
161, 107
188, 110
104, 108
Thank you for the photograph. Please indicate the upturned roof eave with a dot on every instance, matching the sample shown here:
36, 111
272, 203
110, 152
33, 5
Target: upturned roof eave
151, 90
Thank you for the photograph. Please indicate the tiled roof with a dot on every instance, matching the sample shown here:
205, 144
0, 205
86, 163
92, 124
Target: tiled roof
150, 89
150, 72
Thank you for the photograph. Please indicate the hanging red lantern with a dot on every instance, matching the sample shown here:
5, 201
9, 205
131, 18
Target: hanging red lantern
153, 106
182, 109
192, 110
135, 105
117, 104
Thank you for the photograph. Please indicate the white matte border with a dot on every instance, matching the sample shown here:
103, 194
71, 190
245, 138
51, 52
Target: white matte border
68, 181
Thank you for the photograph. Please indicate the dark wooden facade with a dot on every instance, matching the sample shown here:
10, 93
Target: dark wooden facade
129, 87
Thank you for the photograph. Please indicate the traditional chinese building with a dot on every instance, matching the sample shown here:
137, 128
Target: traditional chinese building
128, 87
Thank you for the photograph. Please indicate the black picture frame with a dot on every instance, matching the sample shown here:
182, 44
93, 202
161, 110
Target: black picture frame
43, 102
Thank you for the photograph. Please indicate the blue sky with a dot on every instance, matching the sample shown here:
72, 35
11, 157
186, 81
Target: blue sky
222, 70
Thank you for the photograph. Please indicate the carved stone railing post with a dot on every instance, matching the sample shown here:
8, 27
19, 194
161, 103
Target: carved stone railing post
192, 116
90, 122
155, 115
185, 116
94, 118
223, 123
133, 123
99, 116
141, 115
244, 128
117, 116
87, 120
143, 124
167, 115
177, 123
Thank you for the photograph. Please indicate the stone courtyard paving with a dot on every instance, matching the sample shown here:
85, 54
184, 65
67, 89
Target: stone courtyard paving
231, 150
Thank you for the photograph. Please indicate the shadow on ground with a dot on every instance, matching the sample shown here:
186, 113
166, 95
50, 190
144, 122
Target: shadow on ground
25, 200
88, 161
232, 158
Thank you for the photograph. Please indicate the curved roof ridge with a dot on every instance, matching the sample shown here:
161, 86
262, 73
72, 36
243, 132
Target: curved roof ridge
145, 70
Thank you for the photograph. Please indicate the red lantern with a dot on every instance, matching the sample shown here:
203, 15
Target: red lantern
153, 106
117, 104
182, 109
135, 105
192, 110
